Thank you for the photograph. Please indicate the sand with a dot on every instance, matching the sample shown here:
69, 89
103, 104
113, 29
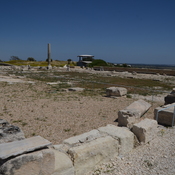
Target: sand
55, 115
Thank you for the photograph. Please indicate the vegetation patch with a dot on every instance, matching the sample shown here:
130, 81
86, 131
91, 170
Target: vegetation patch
92, 82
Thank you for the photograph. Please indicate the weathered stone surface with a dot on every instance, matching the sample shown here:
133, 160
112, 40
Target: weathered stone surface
23, 146
134, 73
15, 67
86, 156
25, 68
36, 163
3, 123
53, 83
165, 117
122, 134
132, 113
139, 107
9, 133
127, 118
76, 89
85, 137
170, 98
63, 164
145, 130
62, 147
49, 67
116, 91
59, 82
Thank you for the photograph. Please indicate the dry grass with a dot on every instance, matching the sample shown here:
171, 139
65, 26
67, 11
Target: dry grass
41, 109
38, 63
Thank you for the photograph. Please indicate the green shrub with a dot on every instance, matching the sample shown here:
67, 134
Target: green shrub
98, 62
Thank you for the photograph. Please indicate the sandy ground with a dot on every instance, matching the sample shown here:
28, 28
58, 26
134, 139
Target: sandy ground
38, 110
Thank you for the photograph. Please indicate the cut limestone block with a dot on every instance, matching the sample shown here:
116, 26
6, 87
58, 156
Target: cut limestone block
35, 163
116, 91
76, 89
62, 147
145, 130
132, 113
85, 137
165, 117
86, 156
10, 133
123, 134
170, 98
63, 164
23, 146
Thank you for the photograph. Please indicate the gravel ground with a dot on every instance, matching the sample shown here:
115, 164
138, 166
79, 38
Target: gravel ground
38, 110
155, 158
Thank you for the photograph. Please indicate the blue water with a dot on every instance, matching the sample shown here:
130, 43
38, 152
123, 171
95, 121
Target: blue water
153, 66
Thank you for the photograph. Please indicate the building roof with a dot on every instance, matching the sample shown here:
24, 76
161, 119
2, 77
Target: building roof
85, 56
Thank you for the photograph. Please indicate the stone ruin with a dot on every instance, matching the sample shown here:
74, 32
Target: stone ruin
165, 115
74, 156
132, 113
10, 133
79, 154
170, 98
116, 91
20, 156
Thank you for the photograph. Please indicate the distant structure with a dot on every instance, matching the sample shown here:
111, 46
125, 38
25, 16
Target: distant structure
84, 60
49, 57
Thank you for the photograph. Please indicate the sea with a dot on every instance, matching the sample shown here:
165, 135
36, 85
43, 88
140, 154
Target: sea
153, 66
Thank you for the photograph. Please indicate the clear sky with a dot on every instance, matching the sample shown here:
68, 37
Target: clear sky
118, 31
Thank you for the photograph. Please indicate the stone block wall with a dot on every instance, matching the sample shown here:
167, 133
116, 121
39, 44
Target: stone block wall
76, 155
132, 113
87, 150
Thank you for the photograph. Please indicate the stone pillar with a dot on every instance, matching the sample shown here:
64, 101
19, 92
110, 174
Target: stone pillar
48, 53
49, 57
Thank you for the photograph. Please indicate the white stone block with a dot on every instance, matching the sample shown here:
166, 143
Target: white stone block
85, 137
145, 130
86, 156
35, 163
63, 164
23, 146
165, 117
132, 113
116, 91
123, 135
76, 89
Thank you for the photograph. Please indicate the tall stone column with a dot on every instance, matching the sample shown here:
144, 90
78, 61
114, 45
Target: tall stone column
49, 57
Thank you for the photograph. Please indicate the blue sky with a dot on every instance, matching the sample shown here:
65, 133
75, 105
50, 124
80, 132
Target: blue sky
118, 31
